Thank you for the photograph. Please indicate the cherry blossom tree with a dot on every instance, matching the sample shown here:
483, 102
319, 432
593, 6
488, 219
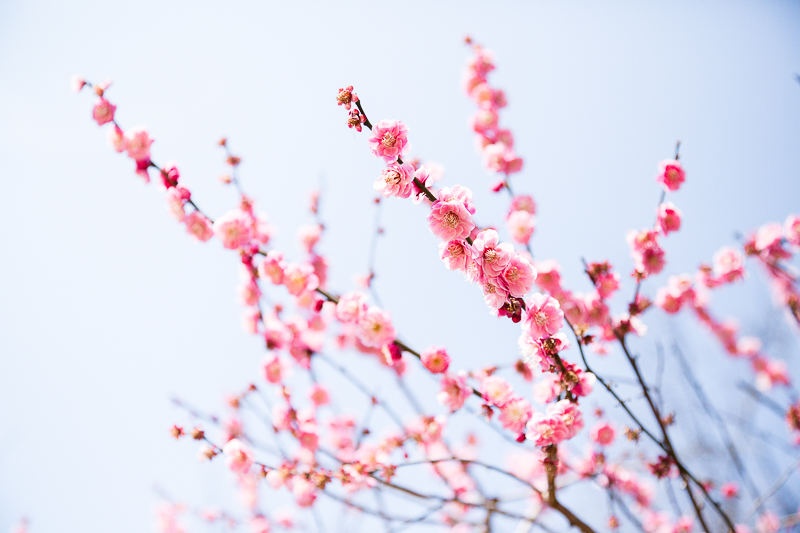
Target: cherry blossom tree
579, 428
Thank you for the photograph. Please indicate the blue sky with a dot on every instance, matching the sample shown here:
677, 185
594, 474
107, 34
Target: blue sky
108, 309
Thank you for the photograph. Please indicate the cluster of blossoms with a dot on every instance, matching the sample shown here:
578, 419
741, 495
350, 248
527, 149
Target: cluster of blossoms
648, 255
367, 326
541, 343
320, 450
496, 143
347, 98
505, 276
239, 229
135, 142
562, 421
588, 313
770, 245
521, 220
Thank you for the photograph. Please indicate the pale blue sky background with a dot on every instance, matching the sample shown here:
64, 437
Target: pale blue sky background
107, 308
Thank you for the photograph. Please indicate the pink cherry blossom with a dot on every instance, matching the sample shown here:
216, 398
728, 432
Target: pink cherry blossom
522, 202
669, 218
481, 63
389, 139
496, 390
585, 383
249, 292
606, 283
492, 255
521, 225
346, 97
143, 169
320, 266
450, 220
515, 414
425, 429
277, 335
679, 290
518, 276
570, 416
648, 256
232, 425
729, 490
500, 158
238, 456
350, 307
170, 175
396, 180
199, 226
792, 229
767, 240
460, 194
299, 278
234, 229
486, 96
137, 144
456, 254
319, 395
307, 437
374, 328
454, 391
603, 433
116, 137
543, 316
548, 276
671, 174
728, 265
176, 203
103, 111
274, 370
436, 360
546, 388
272, 267
494, 294
545, 430
356, 119
485, 119
540, 350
